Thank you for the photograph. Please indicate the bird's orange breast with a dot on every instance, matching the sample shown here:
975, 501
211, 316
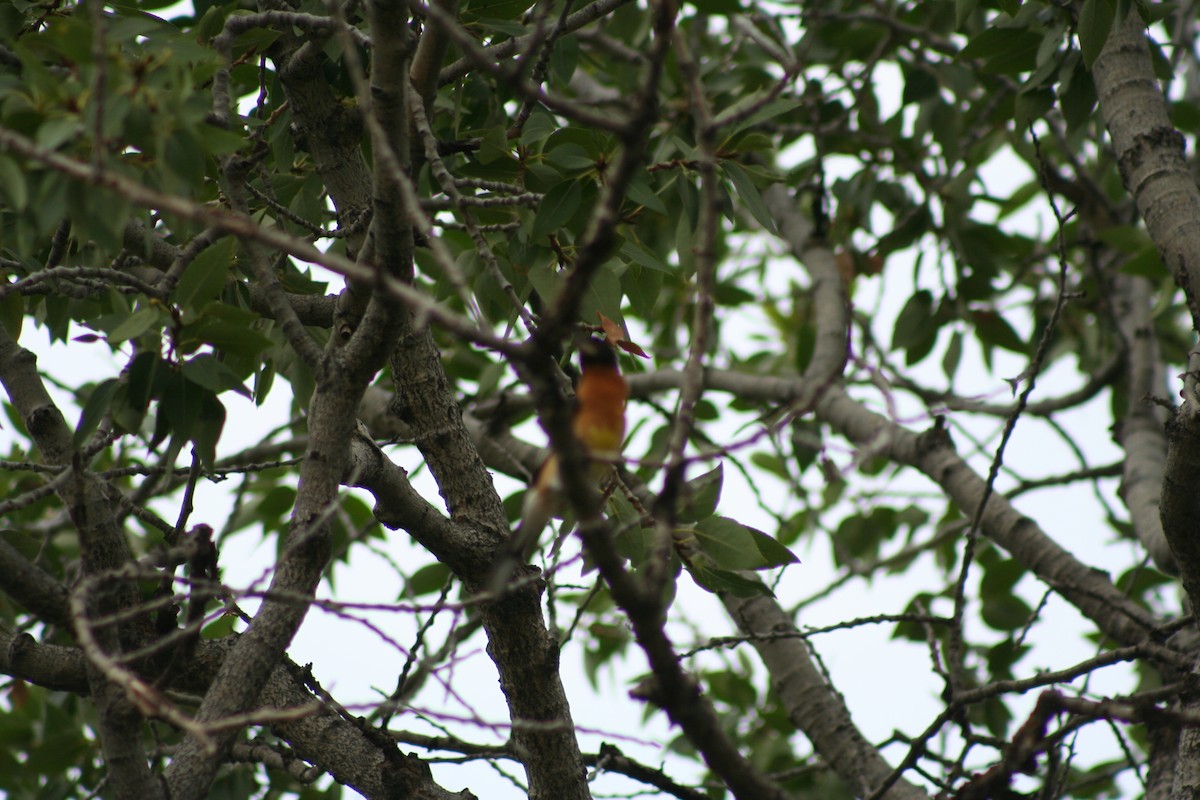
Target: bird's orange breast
600, 415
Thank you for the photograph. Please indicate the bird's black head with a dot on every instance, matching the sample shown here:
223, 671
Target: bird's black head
595, 352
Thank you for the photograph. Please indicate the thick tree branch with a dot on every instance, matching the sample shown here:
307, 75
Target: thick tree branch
1095, 383
932, 453
1141, 433
1088, 590
32, 587
814, 706
486, 61
102, 545
1149, 152
509, 47
62, 669
342, 381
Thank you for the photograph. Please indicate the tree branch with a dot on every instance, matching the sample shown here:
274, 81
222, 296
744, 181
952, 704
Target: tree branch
103, 546
1149, 153
1088, 590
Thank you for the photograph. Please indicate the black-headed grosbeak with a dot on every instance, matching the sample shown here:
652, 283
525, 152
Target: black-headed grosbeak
599, 425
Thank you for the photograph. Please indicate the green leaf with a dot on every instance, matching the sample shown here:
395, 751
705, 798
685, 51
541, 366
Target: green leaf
641, 193
1146, 263
1004, 50
919, 84
556, 208
473, 10
859, 537
771, 462
1079, 98
702, 494
190, 412
726, 542
538, 128
427, 580
634, 542
55, 131
136, 324
689, 198
718, 7
993, 713
915, 631
749, 194
213, 374
1032, 105
953, 355
97, 217
181, 405
643, 287
1185, 115
506, 27
264, 379
545, 279
769, 110
26, 543
772, 552
962, 11
720, 581
94, 410
747, 142
12, 183
603, 295
126, 416
993, 330
644, 256
60, 749
218, 141
226, 328
1005, 612
570, 157
732, 687
732, 545
494, 146
914, 321
255, 38
276, 504
49, 200
208, 427
1095, 23
1019, 198
12, 314
992, 42
220, 627
184, 160
915, 225
204, 279
1126, 238
1139, 581
564, 59
147, 374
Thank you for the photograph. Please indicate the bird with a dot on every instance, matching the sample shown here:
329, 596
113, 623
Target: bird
598, 423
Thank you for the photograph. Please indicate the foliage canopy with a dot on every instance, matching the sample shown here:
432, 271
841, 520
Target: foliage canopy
873, 269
